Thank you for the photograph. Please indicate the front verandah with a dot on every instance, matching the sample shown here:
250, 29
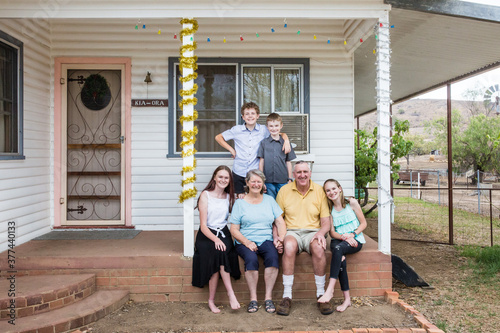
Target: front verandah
152, 267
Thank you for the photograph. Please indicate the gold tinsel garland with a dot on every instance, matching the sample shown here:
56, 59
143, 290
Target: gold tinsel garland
189, 118
189, 77
188, 137
188, 168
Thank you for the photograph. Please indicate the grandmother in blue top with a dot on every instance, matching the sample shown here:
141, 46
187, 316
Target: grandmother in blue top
347, 238
252, 221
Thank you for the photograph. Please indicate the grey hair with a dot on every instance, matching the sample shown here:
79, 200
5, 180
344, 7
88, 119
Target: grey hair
258, 173
301, 162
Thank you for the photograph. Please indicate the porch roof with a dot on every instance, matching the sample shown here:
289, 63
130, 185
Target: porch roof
432, 44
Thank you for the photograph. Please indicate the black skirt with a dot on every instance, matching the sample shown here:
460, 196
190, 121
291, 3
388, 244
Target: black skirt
207, 259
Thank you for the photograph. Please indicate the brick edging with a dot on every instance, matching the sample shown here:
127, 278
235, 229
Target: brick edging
392, 297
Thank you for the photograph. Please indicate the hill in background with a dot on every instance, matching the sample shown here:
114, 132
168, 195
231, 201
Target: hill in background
417, 112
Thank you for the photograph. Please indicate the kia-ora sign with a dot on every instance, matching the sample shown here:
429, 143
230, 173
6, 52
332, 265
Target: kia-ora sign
149, 103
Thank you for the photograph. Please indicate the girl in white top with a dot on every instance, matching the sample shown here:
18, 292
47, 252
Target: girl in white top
214, 250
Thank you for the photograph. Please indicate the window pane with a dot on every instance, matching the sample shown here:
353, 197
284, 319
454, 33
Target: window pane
8, 111
216, 105
287, 90
257, 87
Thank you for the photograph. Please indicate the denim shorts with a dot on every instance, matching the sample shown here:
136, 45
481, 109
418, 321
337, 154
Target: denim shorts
266, 250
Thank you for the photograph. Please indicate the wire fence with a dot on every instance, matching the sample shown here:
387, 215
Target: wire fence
421, 203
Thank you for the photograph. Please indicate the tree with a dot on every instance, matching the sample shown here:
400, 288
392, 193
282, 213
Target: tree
421, 145
478, 100
366, 155
473, 144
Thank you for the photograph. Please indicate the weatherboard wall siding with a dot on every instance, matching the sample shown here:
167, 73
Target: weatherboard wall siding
26, 185
155, 178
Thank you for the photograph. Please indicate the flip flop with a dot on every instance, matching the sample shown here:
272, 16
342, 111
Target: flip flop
270, 308
253, 306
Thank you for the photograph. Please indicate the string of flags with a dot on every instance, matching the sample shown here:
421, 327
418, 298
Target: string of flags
142, 26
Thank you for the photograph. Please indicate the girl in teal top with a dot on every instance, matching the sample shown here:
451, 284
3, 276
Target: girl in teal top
347, 237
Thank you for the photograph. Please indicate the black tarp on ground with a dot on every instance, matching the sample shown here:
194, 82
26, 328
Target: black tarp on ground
405, 274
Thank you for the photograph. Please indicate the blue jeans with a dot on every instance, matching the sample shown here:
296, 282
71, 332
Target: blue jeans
273, 189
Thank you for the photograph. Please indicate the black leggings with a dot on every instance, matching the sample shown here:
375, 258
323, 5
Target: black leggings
338, 268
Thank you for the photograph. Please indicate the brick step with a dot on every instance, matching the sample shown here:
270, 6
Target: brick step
40, 293
70, 317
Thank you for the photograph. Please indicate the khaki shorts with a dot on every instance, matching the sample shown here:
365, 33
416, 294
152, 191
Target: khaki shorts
303, 237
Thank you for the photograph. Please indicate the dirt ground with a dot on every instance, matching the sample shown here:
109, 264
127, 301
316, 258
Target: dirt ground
189, 317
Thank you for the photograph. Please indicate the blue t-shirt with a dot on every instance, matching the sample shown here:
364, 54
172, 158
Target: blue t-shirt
246, 144
256, 221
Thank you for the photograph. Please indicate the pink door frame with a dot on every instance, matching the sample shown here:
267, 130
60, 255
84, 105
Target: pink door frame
58, 62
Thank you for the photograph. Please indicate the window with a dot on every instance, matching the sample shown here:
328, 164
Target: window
224, 84
273, 88
11, 55
216, 104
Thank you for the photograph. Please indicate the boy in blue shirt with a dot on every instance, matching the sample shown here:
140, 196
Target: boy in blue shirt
274, 162
247, 138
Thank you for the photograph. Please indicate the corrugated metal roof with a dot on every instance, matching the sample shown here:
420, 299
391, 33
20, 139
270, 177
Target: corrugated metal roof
428, 50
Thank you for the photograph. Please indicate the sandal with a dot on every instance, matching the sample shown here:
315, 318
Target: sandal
253, 306
270, 308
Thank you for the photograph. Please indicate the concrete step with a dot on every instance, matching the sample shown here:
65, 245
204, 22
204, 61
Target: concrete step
41, 293
70, 317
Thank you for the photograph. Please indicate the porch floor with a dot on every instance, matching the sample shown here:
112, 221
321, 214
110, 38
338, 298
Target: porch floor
152, 267
147, 249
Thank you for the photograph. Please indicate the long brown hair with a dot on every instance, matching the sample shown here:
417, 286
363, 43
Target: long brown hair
343, 200
229, 188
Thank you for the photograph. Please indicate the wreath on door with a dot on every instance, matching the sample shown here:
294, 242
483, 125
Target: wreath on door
95, 94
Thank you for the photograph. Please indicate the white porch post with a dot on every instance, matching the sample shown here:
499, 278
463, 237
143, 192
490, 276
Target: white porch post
188, 159
384, 135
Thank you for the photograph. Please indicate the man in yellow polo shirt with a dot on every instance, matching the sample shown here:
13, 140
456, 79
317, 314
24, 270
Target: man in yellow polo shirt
307, 217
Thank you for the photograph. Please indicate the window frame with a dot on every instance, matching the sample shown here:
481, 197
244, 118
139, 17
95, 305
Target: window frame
274, 67
304, 100
18, 46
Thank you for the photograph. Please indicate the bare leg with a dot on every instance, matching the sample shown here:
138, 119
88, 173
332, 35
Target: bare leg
290, 248
347, 302
226, 278
212, 288
270, 275
328, 292
318, 258
252, 278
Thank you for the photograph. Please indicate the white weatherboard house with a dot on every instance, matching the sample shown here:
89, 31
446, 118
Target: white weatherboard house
78, 147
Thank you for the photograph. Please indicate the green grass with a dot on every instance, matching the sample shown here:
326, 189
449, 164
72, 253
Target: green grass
442, 325
485, 262
431, 221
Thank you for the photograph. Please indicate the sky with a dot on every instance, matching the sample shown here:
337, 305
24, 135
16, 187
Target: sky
485, 2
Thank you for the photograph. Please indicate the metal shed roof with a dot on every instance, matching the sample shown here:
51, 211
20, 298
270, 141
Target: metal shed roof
433, 44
